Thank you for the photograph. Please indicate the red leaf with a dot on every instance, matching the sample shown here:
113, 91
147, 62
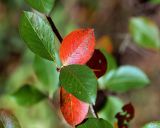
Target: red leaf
98, 63
77, 47
126, 116
73, 110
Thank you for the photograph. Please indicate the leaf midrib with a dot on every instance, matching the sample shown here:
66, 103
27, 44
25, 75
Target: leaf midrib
79, 81
39, 37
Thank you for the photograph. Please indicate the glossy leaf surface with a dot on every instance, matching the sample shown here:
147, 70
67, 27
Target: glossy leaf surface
95, 123
125, 78
98, 63
8, 120
145, 32
28, 95
44, 6
37, 34
80, 81
73, 110
77, 47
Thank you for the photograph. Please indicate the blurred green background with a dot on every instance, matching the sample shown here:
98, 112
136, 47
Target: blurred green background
115, 31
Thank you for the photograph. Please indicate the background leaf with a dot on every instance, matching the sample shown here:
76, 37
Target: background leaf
155, 124
145, 32
44, 6
40, 115
111, 61
37, 34
80, 81
155, 1
8, 120
77, 47
47, 74
98, 63
95, 123
73, 110
111, 108
28, 95
124, 78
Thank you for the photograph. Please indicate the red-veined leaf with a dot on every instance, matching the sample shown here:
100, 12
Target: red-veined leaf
73, 110
77, 47
98, 63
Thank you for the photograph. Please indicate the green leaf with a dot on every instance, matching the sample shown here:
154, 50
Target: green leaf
95, 123
8, 120
80, 81
155, 1
41, 115
112, 107
44, 6
155, 124
28, 95
145, 32
124, 78
47, 74
112, 64
37, 34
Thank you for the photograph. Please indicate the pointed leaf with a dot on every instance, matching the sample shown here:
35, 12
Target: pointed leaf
44, 6
80, 81
154, 124
98, 63
145, 32
37, 34
28, 95
73, 110
125, 78
77, 47
8, 120
95, 123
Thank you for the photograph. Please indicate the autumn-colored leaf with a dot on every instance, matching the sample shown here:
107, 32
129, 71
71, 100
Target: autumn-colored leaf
73, 110
77, 47
98, 63
105, 43
126, 116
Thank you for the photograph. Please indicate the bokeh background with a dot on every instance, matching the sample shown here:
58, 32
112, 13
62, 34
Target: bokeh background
110, 19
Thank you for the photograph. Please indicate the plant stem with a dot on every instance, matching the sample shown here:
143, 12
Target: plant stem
54, 29
93, 111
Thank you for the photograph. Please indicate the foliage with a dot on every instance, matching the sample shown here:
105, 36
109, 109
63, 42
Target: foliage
82, 70
155, 124
145, 32
8, 120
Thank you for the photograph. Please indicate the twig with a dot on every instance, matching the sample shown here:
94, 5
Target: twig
54, 29
93, 111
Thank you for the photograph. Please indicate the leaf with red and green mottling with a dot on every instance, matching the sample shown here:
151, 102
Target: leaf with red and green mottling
73, 110
98, 63
77, 47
